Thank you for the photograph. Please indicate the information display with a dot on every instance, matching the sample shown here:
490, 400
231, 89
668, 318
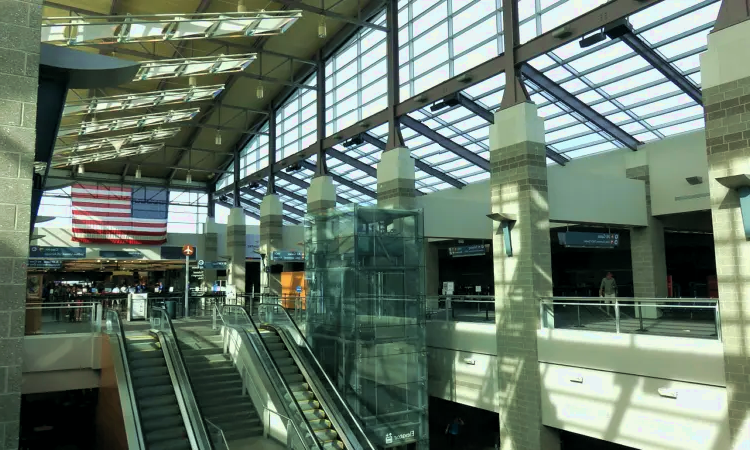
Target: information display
287, 256
36, 251
128, 254
577, 239
213, 265
468, 250
45, 264
137, 307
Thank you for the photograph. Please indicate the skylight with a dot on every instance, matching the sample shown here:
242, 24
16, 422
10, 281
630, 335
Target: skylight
86, 30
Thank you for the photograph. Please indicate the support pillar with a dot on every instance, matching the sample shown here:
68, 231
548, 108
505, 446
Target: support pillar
271, 221
647, 253
519, 191
396, 179
210, 252
236, 248
321, 195
725, 77
19, 47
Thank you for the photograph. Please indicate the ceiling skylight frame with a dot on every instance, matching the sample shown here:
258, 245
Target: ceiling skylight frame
203, 65
124, 123
119, 141
59, 161
142, 100
107, 30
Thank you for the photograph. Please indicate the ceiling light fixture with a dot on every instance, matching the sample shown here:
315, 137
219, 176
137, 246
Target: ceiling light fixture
189, 177
138, 172
322, 30
217, 139
193, 81
592, 39
259, 90
81, 169
241, 6
103, 30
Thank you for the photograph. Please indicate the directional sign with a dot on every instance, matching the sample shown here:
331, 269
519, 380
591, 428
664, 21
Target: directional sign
214, 265
578, 239
127, 254
188, 250
36, 251
45, 264
287, 255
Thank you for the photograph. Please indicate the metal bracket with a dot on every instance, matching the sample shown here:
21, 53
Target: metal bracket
740, 183
506, 225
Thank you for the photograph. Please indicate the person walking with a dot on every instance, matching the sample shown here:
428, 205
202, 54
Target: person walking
452, 431
608, 289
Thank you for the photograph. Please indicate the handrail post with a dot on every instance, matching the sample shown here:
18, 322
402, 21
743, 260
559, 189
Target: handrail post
213, 326
617, 316
640, 317
448, 310
578, 312
717, 319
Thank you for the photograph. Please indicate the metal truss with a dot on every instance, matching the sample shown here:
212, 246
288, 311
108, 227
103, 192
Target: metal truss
458, 150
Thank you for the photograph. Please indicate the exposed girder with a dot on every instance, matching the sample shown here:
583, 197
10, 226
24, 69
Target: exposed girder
458, 150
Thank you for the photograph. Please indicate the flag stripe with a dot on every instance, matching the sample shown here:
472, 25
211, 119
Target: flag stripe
104, 215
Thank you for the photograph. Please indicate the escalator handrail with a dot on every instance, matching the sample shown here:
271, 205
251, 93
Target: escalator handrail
255, 388
195, 415
277, 370
129, 394
343, 402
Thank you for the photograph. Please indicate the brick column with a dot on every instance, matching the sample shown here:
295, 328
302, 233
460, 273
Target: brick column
647, 252
19, 52
271, 221
321, 195
725, 74
519, 189
236, 248
210, 252
396, 179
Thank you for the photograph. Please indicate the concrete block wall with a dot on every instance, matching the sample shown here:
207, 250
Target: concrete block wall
20, 22
647, 247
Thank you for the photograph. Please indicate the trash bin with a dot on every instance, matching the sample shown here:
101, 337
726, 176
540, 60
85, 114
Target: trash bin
171, 307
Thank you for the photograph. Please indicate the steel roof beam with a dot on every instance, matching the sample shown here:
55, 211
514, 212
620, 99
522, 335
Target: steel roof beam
305, 185
342, 181
487, 115
286, 207
658, 62
230, 206
580, 26
458, 150
354, 162
248, 203
418, 163
572, 102
327, 13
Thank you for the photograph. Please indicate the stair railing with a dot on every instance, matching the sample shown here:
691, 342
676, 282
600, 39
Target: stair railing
235, 316
219, 433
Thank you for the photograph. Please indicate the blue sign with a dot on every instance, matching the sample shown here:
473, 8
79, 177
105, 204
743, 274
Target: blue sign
299, 289
577, 239
175, 253
134, 254
45, 264
57, 252
287, 256
468, 250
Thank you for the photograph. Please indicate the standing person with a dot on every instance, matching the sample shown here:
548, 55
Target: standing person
608, 288
452, 430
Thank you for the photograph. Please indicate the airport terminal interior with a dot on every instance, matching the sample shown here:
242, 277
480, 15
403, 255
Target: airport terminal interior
375, 224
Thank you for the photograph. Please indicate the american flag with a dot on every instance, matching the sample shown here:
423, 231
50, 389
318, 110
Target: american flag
119, 215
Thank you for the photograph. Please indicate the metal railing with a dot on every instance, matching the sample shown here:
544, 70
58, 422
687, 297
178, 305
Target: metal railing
236, 317
125, 387
680, 317
461, 308
63, 318
283, 320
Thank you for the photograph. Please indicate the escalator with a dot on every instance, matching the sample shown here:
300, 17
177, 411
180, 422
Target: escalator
161, 420
159, 409
302, 393
309, 397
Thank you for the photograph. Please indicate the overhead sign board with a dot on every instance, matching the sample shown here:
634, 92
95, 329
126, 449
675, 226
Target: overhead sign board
578, 239
36, 251
45, 264
213, 265
175, 253
287, 256
127, 254
468, 250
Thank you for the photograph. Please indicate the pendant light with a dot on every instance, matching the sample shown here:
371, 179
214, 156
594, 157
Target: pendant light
189, 177
81, 169
138, 172
322, 31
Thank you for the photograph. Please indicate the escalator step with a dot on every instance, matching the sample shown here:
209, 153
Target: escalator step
319, 424
156, 401
172, 433
217, 387
326, 435
333, 445
158, 412
307, 405
315, 414
234, 405
158, 423
161, 380
177, 444
303, 395
149, 372
147, 363
294, 378
154, 391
